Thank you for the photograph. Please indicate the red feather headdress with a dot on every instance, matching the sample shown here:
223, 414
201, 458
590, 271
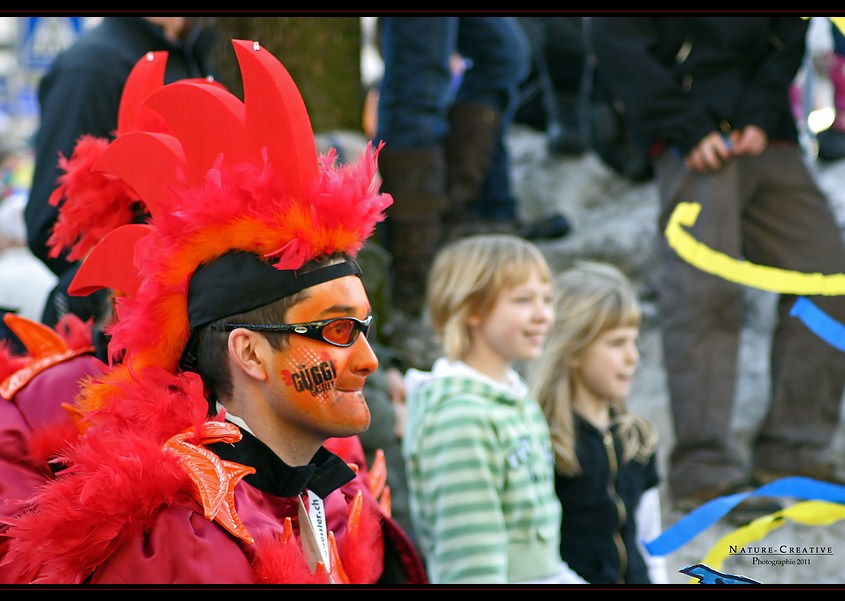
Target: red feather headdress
232, 176
93, 203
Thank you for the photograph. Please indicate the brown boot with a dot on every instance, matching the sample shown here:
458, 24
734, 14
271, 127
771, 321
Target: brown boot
416, 180
469, 146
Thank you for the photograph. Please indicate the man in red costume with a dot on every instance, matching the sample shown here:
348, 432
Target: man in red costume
242, 350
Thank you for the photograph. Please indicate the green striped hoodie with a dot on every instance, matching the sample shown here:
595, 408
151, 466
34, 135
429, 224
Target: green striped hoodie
480, 476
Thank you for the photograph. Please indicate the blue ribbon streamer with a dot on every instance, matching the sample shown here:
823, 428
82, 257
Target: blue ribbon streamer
819, 322
701, 518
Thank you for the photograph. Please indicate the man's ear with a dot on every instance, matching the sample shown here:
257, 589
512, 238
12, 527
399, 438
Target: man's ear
248, 351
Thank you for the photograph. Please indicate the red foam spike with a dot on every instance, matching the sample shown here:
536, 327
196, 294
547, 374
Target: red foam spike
207, 120
146, 77
148, 162
276, 118
111, 264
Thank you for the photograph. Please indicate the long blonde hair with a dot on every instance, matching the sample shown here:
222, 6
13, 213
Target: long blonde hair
466, 278
590, 298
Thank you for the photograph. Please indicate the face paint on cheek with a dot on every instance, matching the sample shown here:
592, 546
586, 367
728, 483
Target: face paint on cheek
308, 373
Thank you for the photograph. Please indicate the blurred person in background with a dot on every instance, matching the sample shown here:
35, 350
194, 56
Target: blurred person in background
80, 94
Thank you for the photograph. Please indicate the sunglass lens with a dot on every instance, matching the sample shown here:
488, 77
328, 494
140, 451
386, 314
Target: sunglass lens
341, 331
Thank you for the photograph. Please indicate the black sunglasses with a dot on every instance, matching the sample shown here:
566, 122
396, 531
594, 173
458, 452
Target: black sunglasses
340, 331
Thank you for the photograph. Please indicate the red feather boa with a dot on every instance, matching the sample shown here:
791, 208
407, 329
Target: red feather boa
120, 478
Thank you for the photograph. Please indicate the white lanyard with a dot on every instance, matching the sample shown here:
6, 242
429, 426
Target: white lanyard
313, 530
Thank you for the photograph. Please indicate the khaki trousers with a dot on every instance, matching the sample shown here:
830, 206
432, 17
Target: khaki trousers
767, 210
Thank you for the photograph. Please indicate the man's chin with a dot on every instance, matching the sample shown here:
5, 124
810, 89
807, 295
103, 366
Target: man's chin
363, 426
355, 418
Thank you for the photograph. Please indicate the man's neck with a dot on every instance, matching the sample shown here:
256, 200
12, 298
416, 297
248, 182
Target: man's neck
291, 449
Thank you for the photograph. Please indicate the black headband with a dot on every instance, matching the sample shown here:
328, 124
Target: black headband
240, 281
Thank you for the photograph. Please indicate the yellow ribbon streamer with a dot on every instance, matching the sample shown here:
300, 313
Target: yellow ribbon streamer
773, 279
808, 513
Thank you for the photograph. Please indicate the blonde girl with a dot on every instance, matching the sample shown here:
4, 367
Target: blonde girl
605, 456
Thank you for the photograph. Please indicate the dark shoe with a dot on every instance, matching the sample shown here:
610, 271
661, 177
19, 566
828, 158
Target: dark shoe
823, 473
748, 510
564, 141
831, 145
692, 501
547, 228
752, 508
